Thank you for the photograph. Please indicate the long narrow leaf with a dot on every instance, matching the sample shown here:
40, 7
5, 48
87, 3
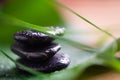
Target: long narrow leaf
14, 21
17, 63
83, 18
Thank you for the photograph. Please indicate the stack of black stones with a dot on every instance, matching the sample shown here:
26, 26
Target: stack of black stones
38, 51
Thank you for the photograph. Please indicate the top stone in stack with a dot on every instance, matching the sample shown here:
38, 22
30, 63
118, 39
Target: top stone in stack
32, 37
34, 45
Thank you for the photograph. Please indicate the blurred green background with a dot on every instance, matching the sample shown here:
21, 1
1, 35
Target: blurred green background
38, 12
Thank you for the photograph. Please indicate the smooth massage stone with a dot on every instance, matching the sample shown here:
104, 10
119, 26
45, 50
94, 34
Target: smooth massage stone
36, 53
32, 37
56, 63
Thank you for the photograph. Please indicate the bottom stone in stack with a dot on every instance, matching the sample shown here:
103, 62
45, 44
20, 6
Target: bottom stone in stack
56, 63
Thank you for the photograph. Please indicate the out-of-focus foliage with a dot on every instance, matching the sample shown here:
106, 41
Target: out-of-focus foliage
39, 12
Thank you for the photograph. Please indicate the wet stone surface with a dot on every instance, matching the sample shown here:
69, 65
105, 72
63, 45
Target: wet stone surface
57, 62
37, 51
30, 37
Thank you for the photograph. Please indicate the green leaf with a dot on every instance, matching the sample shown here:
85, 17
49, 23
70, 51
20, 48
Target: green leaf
79, 62
6, 19
107, 54
74, 66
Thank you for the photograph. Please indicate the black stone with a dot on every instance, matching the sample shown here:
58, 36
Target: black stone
56, 63
36, 53
31, 37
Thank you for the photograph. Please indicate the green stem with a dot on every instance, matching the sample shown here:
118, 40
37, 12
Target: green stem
17, 63
83, 18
